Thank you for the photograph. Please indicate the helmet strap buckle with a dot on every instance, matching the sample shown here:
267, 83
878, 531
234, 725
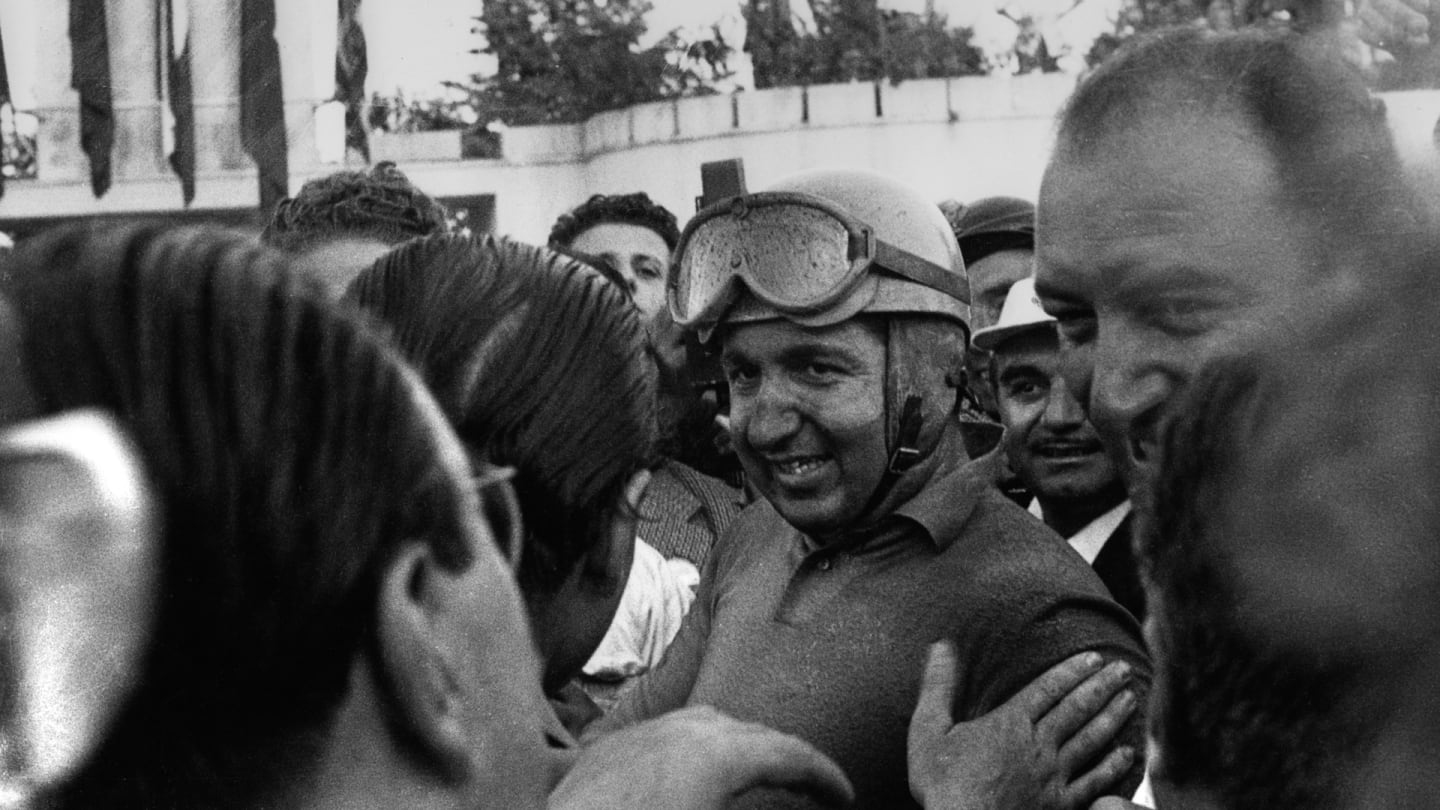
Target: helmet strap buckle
906, 453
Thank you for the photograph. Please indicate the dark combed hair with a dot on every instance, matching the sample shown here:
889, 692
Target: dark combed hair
290, 459
1251, 716
379, 204
1333, 151
567, 398
625, 209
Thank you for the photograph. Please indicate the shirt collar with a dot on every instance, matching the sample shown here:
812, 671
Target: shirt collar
944, 505
1090, 539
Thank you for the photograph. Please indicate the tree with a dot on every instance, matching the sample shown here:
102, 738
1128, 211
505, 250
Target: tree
565, 60
1140, 16
854, 40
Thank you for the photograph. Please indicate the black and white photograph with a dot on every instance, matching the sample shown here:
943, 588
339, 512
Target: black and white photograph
706, 404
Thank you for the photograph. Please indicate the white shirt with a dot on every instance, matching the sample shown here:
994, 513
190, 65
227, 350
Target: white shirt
656, 598
1089, 540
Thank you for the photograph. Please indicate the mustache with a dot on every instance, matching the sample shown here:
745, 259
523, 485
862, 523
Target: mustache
1088, 442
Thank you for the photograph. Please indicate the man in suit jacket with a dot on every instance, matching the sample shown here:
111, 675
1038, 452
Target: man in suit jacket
1054, 449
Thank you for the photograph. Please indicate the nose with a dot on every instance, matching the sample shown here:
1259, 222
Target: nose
1062, 410
1077, 369
1126, 392
767, 419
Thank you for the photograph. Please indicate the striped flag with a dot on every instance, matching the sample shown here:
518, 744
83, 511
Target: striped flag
90, 76
262, 101
178, 131
351, 67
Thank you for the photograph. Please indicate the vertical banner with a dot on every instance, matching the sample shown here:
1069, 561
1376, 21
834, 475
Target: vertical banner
262, 101
90, 76
351, 68
4, 100
179, 130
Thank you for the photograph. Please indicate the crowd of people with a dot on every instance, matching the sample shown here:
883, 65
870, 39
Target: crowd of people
1117, 499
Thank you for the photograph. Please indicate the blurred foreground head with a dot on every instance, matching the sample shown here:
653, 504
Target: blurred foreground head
1318, 501
332, 620
538, 362
1245, 713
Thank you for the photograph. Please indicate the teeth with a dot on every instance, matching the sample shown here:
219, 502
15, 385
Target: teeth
799, 466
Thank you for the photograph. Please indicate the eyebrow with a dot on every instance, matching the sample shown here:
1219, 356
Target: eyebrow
1018, 369
1045, 290
798, 354
806, 352
1139, 284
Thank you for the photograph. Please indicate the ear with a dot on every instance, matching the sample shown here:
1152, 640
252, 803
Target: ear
418, 657
80, 546
629, 514
624, 527
635, 489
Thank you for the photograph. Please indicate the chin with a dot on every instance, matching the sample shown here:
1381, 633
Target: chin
812, 518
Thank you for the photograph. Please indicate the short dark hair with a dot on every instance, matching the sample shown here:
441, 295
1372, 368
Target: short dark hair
380, 204
625, 209
567, 398
1336, 159
290, 458
992, 224
1249, 716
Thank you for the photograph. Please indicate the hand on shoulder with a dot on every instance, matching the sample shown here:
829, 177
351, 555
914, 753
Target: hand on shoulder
1031, 752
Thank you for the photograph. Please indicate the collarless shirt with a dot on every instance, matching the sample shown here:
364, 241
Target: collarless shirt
827, 641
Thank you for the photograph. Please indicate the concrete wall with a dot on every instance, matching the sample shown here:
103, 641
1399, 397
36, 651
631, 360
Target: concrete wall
961, 138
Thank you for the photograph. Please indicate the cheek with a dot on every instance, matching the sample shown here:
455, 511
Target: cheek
855, 412
857, 429
1019, 417
650, 296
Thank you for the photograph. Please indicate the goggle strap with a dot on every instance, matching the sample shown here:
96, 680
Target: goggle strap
907, 265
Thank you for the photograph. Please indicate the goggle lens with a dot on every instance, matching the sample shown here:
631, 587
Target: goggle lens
790, 255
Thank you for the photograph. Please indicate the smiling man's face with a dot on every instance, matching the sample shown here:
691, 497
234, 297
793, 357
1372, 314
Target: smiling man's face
1155, 253
807, 416
1051, 445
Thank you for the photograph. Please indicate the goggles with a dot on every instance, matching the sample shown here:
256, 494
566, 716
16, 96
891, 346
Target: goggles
794, 252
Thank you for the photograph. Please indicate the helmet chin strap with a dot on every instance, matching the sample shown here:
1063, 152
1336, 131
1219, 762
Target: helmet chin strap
905, 452
904, 444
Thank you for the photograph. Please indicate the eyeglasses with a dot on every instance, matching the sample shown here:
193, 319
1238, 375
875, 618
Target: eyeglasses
501, 509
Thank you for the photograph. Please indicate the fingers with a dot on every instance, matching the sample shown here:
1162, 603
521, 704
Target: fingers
932, 715
1099, 733
1057, 682
1100, 778
1083, 702
768, 758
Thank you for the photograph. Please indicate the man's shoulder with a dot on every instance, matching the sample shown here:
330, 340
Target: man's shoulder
1004, 550
757, 534
999, 526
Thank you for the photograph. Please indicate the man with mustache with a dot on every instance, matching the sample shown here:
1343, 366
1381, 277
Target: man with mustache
1054, 449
